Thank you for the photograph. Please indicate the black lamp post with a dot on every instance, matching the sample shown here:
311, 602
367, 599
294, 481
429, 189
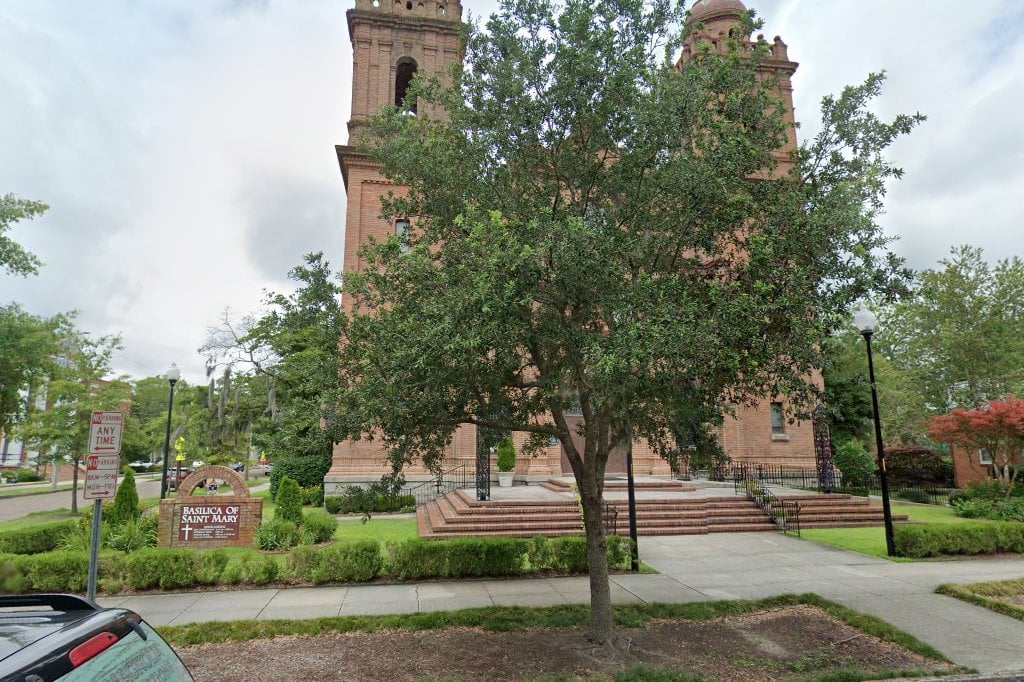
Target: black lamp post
865, 321
172, 378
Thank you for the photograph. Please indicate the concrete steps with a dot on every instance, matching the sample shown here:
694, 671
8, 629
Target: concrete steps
459, 514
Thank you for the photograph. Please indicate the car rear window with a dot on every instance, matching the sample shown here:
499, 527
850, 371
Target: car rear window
134, 659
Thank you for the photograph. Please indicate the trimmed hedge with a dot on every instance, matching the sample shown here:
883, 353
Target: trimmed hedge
349, 562
357, 500
458, 558
44, 537
342, 562
940, 539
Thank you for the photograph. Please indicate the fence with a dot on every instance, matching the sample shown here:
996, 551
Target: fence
807, 479
784, 513
444, 483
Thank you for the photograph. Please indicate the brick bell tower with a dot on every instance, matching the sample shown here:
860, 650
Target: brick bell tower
758, 433
392, 40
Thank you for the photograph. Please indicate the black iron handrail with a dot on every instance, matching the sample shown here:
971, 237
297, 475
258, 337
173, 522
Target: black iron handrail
784, 513
445, 482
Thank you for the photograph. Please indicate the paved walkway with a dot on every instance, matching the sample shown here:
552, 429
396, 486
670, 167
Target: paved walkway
693, 569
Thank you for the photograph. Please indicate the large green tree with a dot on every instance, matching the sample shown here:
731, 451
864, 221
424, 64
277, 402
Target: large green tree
957, 340
587, 236
28, 346
77, 387
292, 351
13, 257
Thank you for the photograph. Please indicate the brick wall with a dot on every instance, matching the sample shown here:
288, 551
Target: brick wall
250, 510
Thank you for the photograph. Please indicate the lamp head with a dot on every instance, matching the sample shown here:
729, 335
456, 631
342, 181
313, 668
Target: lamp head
173, 374
865, 321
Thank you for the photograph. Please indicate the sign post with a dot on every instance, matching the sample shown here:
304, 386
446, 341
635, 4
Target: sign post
105, 431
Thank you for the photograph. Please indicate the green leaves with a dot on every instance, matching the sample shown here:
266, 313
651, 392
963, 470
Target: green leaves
14, 259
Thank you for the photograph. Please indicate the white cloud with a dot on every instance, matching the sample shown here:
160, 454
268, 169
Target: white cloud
187, 149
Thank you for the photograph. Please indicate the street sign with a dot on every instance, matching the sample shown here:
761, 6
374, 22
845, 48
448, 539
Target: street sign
101, 476
105, 433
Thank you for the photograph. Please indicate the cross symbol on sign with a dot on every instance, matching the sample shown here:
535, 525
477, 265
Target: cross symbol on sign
188, 529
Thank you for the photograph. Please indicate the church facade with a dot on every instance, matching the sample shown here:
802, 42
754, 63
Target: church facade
391, 42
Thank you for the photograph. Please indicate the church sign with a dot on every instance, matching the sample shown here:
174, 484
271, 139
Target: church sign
210, 520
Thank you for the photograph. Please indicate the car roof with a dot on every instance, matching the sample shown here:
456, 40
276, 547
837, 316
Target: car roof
25, 619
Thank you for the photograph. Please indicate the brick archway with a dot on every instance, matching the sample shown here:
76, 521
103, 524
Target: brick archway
239, 488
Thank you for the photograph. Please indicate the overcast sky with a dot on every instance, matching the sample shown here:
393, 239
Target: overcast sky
186, 149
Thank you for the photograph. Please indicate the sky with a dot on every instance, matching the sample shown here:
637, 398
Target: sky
186, 149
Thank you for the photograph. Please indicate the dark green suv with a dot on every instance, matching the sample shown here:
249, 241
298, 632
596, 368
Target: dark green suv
63, 637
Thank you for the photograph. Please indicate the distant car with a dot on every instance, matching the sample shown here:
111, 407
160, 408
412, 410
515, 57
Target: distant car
238, 466
64, 637
140, 466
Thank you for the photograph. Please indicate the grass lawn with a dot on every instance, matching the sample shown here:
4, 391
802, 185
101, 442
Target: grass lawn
382, 530
871, 540
1002, 596
36, 518
36, 489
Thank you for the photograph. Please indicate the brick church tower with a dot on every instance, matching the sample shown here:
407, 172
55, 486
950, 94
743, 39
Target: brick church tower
392, 40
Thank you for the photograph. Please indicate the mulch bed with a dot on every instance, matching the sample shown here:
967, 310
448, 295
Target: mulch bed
775, 644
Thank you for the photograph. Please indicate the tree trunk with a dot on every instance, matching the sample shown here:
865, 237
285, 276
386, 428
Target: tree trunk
74, 486
602, 630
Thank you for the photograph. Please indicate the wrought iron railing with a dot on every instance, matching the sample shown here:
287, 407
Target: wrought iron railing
784, 513
610, 517
442, 484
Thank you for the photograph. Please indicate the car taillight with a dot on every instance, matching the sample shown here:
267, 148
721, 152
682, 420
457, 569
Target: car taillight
92, 646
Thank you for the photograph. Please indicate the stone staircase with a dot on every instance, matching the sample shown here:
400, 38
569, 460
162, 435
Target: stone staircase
839, 511
458, 514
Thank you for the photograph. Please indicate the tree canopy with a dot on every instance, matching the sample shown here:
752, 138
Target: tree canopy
956, 341
595, 229
997, 427
14, 259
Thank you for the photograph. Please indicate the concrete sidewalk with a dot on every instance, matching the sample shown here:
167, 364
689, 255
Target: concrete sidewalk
693, 568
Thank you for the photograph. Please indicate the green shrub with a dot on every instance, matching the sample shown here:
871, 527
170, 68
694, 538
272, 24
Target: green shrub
320, 526
958, 539
289, 502
277, 535
126, 502
313, 495
506, 455
957, 496
570, 555
166, 568
58, 571
460, 558
343, 562
916, 466
306, 470
991, 490
914, 495
258, 569
417, 558
44, 537
13, 578
996, 510
27, 476
332, 505
211, 566
619, 554
854, 462
374, 498
131, 535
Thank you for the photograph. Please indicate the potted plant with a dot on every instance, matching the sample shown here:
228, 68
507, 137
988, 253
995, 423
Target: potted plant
506, 462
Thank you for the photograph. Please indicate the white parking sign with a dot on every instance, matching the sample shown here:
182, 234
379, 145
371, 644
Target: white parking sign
105, 433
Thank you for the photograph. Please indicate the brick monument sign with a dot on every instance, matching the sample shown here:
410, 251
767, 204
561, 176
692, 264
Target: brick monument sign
209, 521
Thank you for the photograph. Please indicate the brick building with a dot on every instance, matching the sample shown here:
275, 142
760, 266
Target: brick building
391, 41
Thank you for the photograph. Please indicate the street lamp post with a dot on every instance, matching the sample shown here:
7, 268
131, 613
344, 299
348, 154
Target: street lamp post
172, 378
865, 321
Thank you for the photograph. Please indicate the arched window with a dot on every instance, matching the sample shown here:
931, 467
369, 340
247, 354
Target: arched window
402, 232
404, 72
